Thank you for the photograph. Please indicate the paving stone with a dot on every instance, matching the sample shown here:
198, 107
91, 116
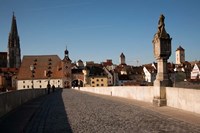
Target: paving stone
68, 111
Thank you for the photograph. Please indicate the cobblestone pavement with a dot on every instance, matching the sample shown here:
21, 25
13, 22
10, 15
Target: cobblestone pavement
79, 112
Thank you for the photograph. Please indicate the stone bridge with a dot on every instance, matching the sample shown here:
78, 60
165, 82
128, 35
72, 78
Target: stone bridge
70, 110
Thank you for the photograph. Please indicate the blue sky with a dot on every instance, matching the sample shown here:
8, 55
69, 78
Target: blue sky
101, 29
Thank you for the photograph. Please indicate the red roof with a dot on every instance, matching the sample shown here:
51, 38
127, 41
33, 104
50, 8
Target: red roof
42, 64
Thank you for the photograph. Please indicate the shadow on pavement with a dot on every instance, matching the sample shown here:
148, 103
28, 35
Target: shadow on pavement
45, 114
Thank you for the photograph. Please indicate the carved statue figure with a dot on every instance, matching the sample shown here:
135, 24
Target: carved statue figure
161, 23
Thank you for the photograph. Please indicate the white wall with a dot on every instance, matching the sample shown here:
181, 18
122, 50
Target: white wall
142, 93
38, 83
182, 98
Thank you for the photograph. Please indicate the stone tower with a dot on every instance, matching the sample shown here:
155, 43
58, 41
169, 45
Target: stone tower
180, 55
14, 52
162, 52
122, 59
66, 68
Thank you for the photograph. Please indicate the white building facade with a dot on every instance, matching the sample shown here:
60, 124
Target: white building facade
195, 73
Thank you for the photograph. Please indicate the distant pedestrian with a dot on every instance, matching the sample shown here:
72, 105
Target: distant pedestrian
53, 88
48, 88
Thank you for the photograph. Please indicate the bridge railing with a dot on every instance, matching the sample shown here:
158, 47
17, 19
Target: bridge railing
11, 100
180, 98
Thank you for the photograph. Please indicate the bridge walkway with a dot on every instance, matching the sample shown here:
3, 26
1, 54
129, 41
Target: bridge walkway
67, 110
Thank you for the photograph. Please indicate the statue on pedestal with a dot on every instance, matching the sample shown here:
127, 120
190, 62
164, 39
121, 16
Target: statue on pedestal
162, 52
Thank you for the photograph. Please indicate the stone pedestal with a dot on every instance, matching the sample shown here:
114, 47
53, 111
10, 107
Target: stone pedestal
159, 94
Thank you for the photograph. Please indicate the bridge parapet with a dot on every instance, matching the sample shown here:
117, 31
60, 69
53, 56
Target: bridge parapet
11, 100
180, 98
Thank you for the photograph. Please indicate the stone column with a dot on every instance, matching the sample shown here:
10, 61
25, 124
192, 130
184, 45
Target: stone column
162, 52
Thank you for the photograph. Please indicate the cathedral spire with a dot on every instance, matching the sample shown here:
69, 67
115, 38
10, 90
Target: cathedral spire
14, 52
14, 31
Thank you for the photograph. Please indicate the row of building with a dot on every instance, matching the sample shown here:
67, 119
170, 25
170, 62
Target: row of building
38, 71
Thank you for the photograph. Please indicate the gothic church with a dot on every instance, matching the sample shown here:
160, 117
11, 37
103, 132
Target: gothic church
12, 58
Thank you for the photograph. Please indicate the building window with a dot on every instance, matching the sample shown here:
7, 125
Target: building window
40, 86
23, 81
40, 81
92, 82
28, 86
102, 85
101, 79
97, 84
97, 80
24, 86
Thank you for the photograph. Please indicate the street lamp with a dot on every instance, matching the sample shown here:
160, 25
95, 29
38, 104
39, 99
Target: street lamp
32, 76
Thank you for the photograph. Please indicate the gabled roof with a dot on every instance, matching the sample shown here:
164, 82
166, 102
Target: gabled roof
180, 49
198, 64
42, 64
150, 68
107, 63
96, 71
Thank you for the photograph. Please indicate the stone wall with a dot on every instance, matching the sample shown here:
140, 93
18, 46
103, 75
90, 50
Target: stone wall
11, 100
141, 93
180, 98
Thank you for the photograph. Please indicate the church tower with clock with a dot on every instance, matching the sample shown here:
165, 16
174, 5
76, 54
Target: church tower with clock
66, 69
